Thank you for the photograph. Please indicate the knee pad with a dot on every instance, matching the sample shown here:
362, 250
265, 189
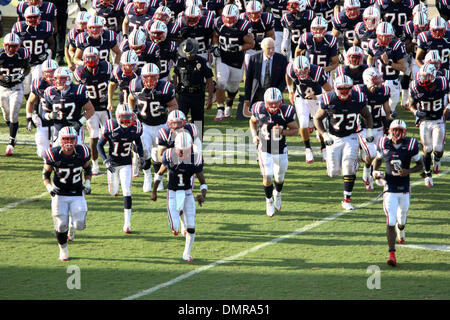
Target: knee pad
191, 230
154, 154
79, 225
147, 164
438, 154
62, 227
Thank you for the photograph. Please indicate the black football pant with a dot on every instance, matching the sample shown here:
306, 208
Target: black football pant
196, 104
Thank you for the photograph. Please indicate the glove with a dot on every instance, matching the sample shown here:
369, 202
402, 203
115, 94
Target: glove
234, 48
42, 58
7, 78
161, 109
215, 51
394, 114
369, 136
327, 139
76, 125
376, 174
141, 163
54, 115
87, 187
420, 114
30, 124
20, 77
53, 190
109, 165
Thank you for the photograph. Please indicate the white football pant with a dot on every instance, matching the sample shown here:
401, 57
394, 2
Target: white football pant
188, 210
228, 78
370, 148
395, 88
120, 177
342, 155
304, 109
11, 100
62, 206
278, 41
149, 141
396, 206
273, 166
35, 73
432, 135
96, 122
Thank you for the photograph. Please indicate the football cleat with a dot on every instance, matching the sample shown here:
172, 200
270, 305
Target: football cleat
270, 209
428, 182
188, 257
227, 112
147, 187
347, 204
309, 155
126, 229
9, 150
175, 233
63, 253
392, 261
219, 116
95, 170
277, 200
71, 233
400, 234
437, 167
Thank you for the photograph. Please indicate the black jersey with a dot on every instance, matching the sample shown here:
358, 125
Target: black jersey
137, 21
355, 75
346, 26
260, 28
297, 26
427, 42
168, 51
13, 66
395, 50
397, 14
202, 32
47, 9
104, 44
364, 36
150, 54
165, 138
38, 87
319, 53
278, 9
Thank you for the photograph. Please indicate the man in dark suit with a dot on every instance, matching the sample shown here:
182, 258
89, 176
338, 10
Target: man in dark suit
265, 69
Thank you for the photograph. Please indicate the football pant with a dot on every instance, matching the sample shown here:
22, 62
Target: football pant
189, 213
370, 148
42, 137
11, 100
304, 109
96, 122
35, 73
149, 141
273, 166
396, 206
228, 78
432, 135
120, 177
342, 155
62, 206
395, 89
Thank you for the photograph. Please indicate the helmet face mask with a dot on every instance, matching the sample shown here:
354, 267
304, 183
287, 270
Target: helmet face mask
437, 33
158, 31
438, 27
353, 12
318, 32
372, 79
343, 86
176, 120
62, 78
230, 15
106, 3
253, 11
48, 70
354, 57
157, 36
150, 81
273, 100
140, 7
67, 139
397, 131
426, 76
91, 57
384, 40
125, 116
33, 20
370, 23
420, 22
433, 57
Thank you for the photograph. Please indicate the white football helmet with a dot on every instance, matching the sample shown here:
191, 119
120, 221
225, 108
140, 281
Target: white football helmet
427, 74
253, 10
129, 62
67, 138
11, 44
385, 34
95, 26
301, 67
397, 130
371, 18
433, 57
81, 20
438, 26
176, 119
420, 22
193, 15
125, 116
32, 16
343, 87
48, 69
372, 78
62, 78
163, 14
197, 3
296, 6
141, 6
183, 144
352, 9
273, 99
150, 75
230, 15
354, 57
319, 27
420, 8
158, 31
137, 40
91, 57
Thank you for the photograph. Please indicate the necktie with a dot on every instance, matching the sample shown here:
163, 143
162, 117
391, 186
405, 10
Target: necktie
267, 75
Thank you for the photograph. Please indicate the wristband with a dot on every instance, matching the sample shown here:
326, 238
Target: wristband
158, 177
203, 187
49, 187
29, 115
240, 47
82, 120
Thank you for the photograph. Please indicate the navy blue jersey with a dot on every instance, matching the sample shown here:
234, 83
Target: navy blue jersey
364, 36
395, 50
317, 78
260, 28
137, 21
181, 171
272, 142
375, 102
319, 53
152, 104
297, 26
123, 82
167, 56
354, 74
72, 37
38, 87
396, 14
121, 141
215, 5
150, 54
176, 6
202, 32
113, 14
48, 11
442, 73
278, 9
173, 29
34, 39
323, 9
68, 171
96, 82
70, 103
427, 42
230, 37
166, 139
366, 3
104, 44
443, 6
343, 115
346, 26
432, 102
13, 66
397, 157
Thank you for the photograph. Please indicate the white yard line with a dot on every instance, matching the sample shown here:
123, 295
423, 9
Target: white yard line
438, 247
260, 246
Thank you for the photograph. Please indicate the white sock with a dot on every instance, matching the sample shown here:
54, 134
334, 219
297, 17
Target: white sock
95, 163
70, 222
189, 241
127, 217
366, 172
148, 173
405, 95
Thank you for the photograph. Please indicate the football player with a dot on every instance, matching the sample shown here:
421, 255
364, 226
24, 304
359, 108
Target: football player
122, 134
47, 9
164, 15
396, 151
278, 9
182, 162
324, 9
309, 80
168, 48
443, 7
37, 36
342, 107
64, 104
80, 26
146, 51
396, 12
153, 99
137, 12
345, 22
14, 66
434, 58
216, 6
388, 55
428, 102
270, 123
261, 25
67, 161
377, 95
112, 11
354, 66
231, 39
176, 6
436, 38
95, 75
43, 135
295, 22
365, 31
95, 36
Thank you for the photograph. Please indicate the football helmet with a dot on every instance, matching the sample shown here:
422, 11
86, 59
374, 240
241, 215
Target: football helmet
129, 62
196, 3
125, 116
354, 57
137, 40
427, 75
140, 6
301, 67
420, 8
319, 27
106, 3
150, 75
192, 15
438, 26
253, 10
372, 78
296, 6
62, 78
352, 9
32, 16
91, 57
420, 22
48, 70
37, 3
183, 144
158, 31
343, 87
95, 26
433, 57
163, 14
273, 99
397, 131
81, 20
230, 15
176, 119
371, 18
67, 138
11, 44
385, 34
